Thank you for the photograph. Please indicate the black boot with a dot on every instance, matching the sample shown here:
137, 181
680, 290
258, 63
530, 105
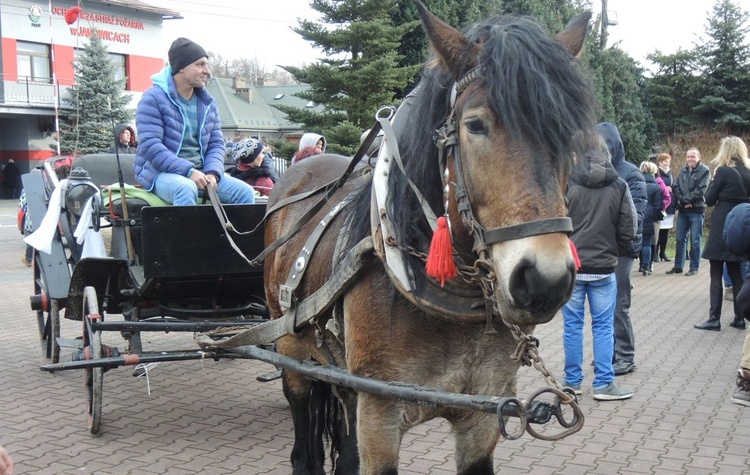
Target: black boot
712, 323
738, 323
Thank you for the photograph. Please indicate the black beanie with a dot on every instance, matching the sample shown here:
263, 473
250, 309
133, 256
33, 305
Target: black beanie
184, 52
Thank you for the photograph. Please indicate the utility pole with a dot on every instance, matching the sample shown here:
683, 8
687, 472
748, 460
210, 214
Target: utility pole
605, 21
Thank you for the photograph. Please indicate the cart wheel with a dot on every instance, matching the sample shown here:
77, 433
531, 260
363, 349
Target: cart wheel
92, 347
47, 317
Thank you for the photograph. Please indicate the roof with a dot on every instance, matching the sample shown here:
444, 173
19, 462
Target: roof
236, 112
143, 6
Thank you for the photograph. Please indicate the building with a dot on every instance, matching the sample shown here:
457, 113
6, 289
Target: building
36, 61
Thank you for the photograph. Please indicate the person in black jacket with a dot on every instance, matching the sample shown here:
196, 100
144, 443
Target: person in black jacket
651, 216
737, 238
125, 140
690, 201
604, 227
729, 187
624, 338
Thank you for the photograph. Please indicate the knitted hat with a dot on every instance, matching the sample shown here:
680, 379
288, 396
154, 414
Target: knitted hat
184, 52
246, 151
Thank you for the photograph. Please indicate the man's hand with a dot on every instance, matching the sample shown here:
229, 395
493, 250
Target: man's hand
212, 180
201, 180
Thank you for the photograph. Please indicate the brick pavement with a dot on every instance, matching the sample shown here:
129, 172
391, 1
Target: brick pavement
215, 418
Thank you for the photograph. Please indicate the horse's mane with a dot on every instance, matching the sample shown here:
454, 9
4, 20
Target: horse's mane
535, 88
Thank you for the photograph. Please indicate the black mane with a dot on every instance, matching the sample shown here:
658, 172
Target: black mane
534, 86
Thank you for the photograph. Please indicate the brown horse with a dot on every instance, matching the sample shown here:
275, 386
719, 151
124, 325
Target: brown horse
517, 107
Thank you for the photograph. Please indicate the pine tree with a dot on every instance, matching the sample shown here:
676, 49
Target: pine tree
359, 74
87, 128
725, 86
672, 92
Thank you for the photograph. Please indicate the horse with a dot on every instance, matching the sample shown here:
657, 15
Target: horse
508, 107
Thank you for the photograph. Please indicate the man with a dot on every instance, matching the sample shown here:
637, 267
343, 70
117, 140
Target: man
604, 225
181, 152
624, 356
12, 180
690, 196
125, 139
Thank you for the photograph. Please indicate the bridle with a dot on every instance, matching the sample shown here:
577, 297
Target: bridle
447, 140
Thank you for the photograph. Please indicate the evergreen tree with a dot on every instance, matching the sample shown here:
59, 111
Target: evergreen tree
359, 74
724, 102
620, 87
88, 127
672, 92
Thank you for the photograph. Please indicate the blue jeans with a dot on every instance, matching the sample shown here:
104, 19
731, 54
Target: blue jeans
692, 222
181, 191
601, 294
744, 268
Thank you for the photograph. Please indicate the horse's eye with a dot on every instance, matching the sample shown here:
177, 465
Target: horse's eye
475, 126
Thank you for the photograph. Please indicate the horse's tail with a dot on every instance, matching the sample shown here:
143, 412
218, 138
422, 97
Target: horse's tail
325, 414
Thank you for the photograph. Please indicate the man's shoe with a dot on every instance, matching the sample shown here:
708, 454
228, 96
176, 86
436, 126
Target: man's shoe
576, 388
25, 261
611, 393
711, 324
674, 270
741, 395
691, 272
738, 323
623, 367
728, 294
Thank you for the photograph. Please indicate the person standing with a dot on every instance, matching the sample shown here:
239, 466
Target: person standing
182, 152
12, 180
690, 196
652, 215
604, 227
737, 239
125, 139
729, 187
663, 161
624, 357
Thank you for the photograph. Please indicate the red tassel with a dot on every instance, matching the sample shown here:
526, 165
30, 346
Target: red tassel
440, 263
574, 251
71, 16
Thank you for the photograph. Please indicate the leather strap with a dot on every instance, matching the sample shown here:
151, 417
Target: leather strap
353, 263
529, 228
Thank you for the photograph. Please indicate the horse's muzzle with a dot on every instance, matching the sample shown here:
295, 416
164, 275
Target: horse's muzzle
540, 293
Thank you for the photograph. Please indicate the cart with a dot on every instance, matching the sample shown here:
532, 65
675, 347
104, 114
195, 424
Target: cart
165, 269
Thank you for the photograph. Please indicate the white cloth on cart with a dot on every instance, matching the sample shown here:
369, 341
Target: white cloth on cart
41, 239
93, 244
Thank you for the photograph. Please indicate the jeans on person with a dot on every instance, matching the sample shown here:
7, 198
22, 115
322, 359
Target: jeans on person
601, 295
744, 268
692, 222
182, 191
646, 256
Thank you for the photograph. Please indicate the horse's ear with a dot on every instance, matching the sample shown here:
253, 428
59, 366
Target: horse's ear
452, 49
574, 34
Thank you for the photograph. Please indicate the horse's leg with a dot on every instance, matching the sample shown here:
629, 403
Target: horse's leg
308, 453
379, 434
476, 438
345, 433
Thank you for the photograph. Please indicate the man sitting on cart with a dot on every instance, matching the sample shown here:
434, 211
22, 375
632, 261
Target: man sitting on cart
181, 150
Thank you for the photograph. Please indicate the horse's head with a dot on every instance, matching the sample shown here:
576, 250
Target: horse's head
520, 107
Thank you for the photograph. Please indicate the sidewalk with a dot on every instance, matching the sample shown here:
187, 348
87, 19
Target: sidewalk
215, 418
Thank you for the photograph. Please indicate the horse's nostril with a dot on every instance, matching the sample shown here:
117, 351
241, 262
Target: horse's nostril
537, 291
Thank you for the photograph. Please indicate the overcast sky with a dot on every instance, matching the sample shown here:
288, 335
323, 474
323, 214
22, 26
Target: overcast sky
261, 28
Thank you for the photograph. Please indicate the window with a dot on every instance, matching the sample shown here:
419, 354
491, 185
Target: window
118, 62
33, 62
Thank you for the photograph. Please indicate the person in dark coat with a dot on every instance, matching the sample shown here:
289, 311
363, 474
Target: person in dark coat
730, 186
651, 216
248, 156
737, 238
125, 139
604, 226
12, 180
624, 338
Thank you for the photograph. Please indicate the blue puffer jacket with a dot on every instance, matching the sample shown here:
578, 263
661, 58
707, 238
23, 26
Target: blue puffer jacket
161, 126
